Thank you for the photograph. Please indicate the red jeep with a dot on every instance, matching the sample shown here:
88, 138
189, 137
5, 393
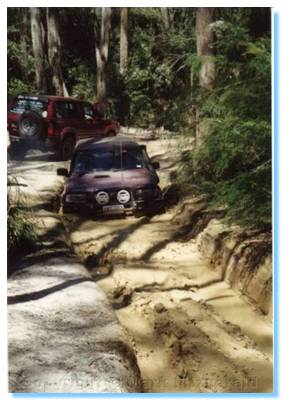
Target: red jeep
59, 122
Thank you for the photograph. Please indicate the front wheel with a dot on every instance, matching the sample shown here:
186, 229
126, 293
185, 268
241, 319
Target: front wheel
67, 148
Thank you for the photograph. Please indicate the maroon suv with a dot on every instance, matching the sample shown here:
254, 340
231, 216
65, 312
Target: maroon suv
59, 122
109, 176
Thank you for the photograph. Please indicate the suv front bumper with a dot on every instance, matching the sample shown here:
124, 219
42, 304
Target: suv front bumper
129, 209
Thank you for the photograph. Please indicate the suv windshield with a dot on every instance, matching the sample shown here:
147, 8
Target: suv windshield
108, 159
26, 104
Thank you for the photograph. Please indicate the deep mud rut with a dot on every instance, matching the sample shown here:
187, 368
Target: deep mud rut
190, 331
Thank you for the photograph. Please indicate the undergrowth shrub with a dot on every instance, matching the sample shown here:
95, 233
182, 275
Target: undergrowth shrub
21, 232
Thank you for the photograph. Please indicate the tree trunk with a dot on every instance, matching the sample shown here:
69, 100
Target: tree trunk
54, 52
24, 39
165, 17
101, 48
204, 41
123, 40
38, 49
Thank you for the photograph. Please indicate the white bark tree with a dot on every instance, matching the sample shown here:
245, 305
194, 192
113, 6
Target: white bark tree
102, 36
204, 42
54, 52
123, 40
166, 17
37, 36
24, 38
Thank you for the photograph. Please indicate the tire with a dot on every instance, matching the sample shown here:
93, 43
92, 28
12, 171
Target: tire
67, 148
30, 126
111, 134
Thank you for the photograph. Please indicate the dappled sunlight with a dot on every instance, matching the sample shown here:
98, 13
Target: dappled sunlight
178, 317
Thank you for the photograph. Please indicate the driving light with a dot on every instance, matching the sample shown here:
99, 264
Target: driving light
123, 196
102, 198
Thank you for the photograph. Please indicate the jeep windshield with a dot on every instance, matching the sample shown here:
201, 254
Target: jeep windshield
101, 159
23, 104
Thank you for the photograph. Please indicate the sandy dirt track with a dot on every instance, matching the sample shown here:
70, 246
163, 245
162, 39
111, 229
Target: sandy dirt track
189, 330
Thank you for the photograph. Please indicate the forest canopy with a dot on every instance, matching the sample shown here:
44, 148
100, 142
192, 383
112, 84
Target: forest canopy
199, 72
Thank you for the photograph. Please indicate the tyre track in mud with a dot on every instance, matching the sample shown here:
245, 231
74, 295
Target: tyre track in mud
174, 309
189, 330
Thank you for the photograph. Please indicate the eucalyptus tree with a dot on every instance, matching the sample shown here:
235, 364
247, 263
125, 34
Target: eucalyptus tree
123, 40
102, 28
55, 52
37, 35
204, 44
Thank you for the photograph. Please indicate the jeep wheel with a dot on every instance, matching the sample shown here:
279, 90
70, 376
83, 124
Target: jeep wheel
67, 148
30, 126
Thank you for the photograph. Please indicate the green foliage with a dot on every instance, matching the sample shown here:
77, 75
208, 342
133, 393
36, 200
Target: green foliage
155, 90
161, 89
83, 81
20, 62
21, 233
17, 86
233, 165
234, 146
159, 71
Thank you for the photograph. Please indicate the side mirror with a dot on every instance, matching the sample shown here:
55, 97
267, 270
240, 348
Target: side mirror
62, 172
156, 165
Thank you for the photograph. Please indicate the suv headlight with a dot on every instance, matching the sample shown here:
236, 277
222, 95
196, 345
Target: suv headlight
123, 196
102, 198
76, 198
